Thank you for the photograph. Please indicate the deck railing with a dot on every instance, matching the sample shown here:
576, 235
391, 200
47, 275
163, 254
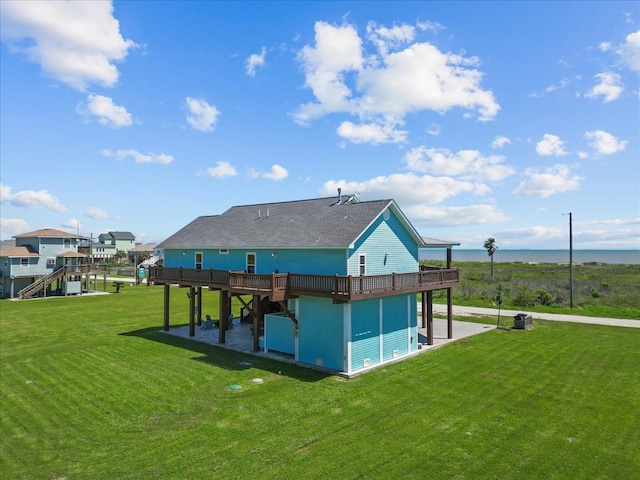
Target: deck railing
280, 286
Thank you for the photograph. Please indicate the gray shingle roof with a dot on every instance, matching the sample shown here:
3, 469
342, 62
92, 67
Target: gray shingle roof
315, 223
435, 243
121, 235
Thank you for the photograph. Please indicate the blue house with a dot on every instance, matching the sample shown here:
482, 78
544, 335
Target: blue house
333, 281
43, 262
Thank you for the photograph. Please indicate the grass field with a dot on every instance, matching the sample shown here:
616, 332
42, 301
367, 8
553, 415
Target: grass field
91, 389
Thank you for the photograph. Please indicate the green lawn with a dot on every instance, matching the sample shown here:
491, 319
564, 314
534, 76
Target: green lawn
91, 389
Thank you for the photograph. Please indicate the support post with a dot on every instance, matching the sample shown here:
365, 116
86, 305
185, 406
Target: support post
192, 307
223, 313
429, 317
166, 307
199, 306
257, 314
449, 313
424, 309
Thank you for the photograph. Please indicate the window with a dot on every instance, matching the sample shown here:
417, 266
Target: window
67, 243
223, 251
363, 265
24, 262
198, 260
51, 261
251, 263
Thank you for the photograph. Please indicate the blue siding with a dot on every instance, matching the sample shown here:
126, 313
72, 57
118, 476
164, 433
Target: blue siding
278, 333
365, 330
47, 247
321, 333
311, 261
388, 247
395, 326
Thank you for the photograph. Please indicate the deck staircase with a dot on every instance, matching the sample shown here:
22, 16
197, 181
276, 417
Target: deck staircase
40, 284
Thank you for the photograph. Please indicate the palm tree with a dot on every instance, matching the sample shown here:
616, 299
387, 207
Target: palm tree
490, 245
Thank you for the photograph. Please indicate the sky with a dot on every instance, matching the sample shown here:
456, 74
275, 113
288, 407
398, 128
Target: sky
480, 119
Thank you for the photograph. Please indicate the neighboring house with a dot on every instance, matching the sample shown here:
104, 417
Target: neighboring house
338, 278
98, 252
141, 252
122, 241
42, 262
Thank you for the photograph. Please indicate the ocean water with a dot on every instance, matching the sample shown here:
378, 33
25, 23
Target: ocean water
536, 256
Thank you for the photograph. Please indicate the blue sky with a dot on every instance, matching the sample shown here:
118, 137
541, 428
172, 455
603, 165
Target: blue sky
481, 119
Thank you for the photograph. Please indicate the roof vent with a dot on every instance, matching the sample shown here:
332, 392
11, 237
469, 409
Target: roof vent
353, 198
339, 194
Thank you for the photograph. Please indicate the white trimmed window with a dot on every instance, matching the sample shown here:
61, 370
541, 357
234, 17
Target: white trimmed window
362, 264
251, 262
24, 262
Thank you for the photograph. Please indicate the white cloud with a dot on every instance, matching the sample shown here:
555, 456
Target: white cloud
550, 145
556, 179
254, 61
611, 235
419, 195
613, 222
453, 216
338, 50
71, 224
434, 129
138, 157
371, 133
604, 143
467, 164
382, 87
107, 112
221, 170
390, 38
406, 188
202, 116
609, 87
500, 142
629, 51
605, 46
536, 234
96, 213
77, 43
277, 173
31, 199
12, 226
428, 26
563, 83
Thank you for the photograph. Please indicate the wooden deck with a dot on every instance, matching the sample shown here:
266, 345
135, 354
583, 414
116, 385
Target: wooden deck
281, 286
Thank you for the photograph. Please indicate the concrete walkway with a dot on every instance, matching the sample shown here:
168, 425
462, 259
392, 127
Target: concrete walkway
506, 316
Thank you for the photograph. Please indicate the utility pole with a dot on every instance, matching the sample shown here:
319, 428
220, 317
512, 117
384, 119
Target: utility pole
570, 260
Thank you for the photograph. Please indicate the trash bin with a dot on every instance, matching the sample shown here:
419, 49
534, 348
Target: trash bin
522, 321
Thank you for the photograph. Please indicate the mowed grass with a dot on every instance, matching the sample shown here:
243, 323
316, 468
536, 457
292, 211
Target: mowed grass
90, 388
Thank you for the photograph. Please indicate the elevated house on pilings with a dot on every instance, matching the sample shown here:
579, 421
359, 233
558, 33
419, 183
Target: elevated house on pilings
332, 281
45, 263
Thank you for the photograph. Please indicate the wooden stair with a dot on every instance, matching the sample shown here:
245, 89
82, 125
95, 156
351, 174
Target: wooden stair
40, 284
